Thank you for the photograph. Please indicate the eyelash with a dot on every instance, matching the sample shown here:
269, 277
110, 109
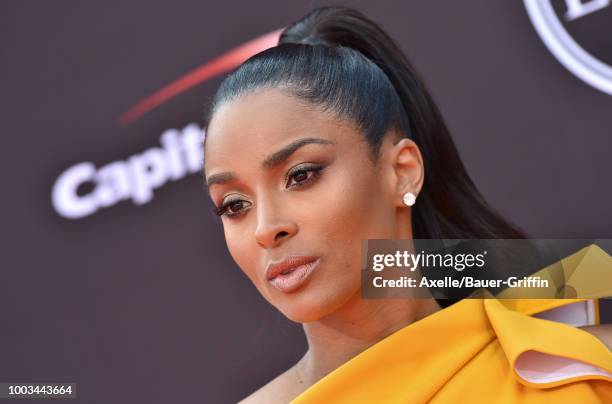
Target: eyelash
315, 169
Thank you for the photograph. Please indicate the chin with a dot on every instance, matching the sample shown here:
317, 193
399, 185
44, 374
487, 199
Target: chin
304, 306
301, 316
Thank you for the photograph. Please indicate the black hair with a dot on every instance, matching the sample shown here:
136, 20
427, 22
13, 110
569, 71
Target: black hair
339, 60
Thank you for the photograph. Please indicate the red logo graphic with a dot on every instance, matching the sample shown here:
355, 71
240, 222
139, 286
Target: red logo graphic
215, 67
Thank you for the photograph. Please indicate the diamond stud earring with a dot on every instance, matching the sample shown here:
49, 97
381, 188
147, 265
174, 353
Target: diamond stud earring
409, 199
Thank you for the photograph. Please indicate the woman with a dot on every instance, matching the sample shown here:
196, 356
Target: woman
326, 140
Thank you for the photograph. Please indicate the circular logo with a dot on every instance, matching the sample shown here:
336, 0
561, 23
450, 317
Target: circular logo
554, 24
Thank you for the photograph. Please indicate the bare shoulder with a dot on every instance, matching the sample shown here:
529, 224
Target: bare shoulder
279, 390
603, 332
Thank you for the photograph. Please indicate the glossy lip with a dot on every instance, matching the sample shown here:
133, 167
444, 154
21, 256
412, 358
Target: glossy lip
289, 263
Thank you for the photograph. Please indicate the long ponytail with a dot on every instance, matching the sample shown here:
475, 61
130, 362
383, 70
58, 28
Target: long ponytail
450, 205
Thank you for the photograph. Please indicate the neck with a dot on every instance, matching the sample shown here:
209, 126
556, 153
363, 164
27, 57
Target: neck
356, 326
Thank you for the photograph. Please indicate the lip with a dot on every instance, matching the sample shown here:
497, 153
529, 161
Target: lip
289, 263
296, 270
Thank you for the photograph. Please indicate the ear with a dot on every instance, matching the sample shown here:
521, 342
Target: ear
408, 171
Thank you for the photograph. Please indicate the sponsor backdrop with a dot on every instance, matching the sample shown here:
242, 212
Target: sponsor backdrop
115, 274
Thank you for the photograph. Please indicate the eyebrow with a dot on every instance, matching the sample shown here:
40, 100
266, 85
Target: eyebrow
272, 160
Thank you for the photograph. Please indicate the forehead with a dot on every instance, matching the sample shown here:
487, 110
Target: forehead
256, 124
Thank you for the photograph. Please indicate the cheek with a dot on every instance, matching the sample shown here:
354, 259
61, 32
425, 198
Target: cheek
239, 248
348, 210
352, 209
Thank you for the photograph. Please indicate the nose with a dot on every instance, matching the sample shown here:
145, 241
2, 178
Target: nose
273, 227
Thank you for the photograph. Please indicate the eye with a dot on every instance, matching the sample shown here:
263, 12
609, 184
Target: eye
297, 177
232, 208
302, 175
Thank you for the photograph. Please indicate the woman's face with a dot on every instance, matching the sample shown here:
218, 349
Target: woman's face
295, 185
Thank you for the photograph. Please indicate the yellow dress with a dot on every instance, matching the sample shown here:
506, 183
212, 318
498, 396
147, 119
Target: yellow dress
482, 351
